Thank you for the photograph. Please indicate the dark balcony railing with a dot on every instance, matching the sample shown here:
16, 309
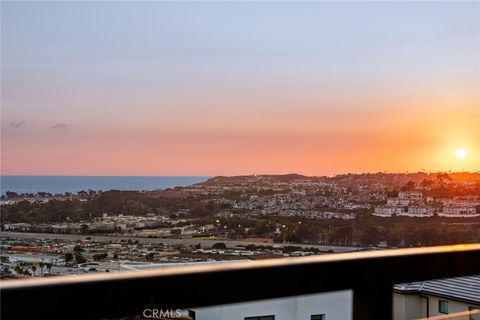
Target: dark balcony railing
370, 274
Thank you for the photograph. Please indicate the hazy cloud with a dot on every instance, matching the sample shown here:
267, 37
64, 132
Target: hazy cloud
59, 126
17, 124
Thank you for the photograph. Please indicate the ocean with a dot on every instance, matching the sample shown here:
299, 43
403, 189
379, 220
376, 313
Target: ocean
73, 184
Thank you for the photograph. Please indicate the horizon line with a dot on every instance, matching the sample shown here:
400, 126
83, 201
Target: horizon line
245, 174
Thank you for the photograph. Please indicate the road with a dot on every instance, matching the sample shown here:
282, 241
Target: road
186, 241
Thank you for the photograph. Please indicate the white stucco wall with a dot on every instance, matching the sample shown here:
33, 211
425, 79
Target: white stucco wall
453, 306
414, 306
410, 306
335, 305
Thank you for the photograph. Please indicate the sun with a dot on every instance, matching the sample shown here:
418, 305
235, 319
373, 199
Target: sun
460, 153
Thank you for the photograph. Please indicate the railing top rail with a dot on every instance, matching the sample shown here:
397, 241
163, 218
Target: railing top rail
389, 254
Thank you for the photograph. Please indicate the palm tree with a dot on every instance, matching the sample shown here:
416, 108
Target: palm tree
7, 270
41, 265
18, 269
49, 267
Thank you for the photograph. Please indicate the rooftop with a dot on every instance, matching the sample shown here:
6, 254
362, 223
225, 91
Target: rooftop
465, 289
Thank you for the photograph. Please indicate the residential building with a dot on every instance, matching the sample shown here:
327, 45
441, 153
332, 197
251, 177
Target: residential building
34, 258
459, 211
436, 297
324, 306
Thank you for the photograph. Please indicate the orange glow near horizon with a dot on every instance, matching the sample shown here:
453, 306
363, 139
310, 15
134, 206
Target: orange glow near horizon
213, 152
417, 140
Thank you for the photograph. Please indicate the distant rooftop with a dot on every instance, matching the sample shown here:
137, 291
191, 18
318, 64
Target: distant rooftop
466, 289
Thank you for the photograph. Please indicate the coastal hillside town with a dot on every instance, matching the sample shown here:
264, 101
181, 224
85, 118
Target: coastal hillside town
413, 204
234, 218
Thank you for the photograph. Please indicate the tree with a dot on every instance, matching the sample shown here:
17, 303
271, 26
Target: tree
344, 234
427, 183
150, 256
392, 193
219, 246
306, 232
176, 232
33, 268
11, 194
49, 267
78, 248
100, 256
410, 185
68, 257
263, 228
6, 269
79, 258
443, 176
18, 269
371, 235
41, 265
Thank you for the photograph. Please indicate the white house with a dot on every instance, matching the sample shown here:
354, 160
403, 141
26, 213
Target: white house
324, 306
398, 202
459, 211
437, 297
418, 211
388, 211
415, 195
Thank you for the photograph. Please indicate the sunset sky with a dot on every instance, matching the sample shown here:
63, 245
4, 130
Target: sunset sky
210, 88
